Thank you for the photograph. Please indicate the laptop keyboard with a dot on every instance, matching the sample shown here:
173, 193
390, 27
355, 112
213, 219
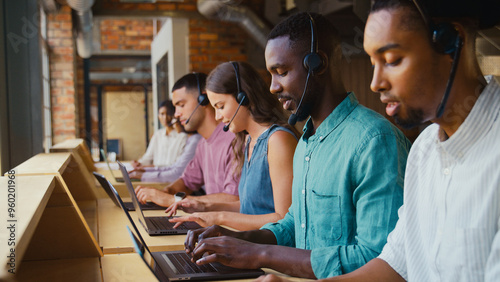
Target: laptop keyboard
161, 223
182, 262
151, 205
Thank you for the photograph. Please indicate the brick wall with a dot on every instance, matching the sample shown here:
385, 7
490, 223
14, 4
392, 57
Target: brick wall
126, 34
62, 70
211, 43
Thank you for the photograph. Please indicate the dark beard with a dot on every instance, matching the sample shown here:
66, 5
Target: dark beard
415, 118
311, 100
304, 112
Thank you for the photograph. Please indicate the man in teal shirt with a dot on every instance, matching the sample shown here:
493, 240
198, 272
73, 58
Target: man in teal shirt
348, 169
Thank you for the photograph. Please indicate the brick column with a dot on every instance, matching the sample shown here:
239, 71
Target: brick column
62, 72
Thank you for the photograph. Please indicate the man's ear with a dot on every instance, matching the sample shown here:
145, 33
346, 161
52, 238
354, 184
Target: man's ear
325, 64
464, 36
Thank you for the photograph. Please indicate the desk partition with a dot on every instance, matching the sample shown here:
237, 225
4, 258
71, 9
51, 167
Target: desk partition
47, 230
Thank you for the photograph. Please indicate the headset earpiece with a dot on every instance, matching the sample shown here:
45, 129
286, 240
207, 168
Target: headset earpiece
444, 37
202, 97
241, 97
313, 61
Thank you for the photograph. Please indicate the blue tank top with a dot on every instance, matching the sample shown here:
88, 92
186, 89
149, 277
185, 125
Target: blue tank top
255, 188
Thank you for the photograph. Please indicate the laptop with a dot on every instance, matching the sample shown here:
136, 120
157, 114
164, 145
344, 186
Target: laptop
128, 205
154, 225
177, 265
117, 179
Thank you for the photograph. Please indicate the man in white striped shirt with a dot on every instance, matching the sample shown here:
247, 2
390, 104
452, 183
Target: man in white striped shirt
448, 228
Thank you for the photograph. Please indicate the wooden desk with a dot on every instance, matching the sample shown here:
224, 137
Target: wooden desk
113, 236
121, 187
63, 270
130, 267
125, 267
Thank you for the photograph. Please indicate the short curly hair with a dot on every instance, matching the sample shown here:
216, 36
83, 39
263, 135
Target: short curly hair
298, 29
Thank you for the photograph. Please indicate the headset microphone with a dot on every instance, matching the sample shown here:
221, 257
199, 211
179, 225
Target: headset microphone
172, 122
292, 120
453, 71
226, 127
189, 118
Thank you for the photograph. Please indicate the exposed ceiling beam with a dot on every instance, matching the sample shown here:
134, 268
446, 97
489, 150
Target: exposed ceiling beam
146, 14
119, 75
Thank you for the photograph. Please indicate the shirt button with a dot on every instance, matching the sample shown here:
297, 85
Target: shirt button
446, 171
307, 158
303, 191
303, 225
321, 138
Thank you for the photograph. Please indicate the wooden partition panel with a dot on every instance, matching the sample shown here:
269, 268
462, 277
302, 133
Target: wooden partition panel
49, 231
79, 147
63, 230
79, 180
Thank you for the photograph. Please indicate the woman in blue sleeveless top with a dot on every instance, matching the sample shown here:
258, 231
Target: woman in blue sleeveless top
264, 147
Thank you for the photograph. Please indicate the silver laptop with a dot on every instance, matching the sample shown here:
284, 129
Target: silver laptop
154, 225
128, 205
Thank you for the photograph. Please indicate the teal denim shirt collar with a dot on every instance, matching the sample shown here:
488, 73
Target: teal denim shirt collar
336, 117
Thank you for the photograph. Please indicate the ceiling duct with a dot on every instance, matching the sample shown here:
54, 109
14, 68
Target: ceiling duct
232, 11
83, 26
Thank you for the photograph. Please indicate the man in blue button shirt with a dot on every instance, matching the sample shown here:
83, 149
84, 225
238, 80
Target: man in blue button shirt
348, 169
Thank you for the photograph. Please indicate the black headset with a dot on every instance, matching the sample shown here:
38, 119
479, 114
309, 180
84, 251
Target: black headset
313, 62
445, 39
241, 96
443, 35
202, 97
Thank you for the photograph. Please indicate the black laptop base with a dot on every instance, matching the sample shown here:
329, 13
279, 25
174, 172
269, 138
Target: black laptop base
187, 270
148, 206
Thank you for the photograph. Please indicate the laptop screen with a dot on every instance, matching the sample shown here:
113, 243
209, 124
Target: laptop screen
104, 184
103, 154
138, 241
139, 250
122, 205
133, 196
